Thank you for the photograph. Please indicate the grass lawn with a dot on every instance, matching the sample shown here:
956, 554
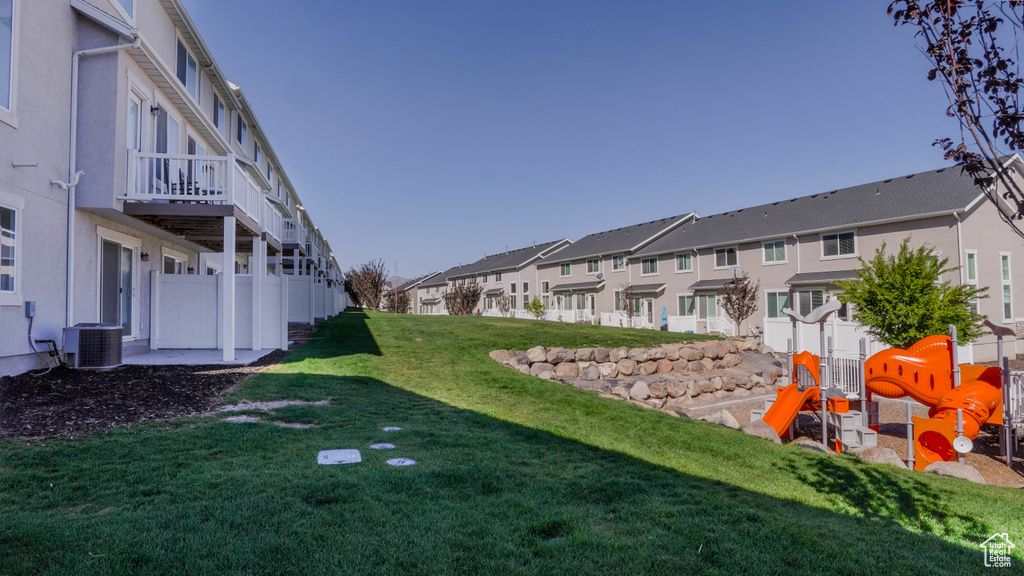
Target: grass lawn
515, 475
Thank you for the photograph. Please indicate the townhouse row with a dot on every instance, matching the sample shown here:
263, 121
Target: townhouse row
138, 189
675, 269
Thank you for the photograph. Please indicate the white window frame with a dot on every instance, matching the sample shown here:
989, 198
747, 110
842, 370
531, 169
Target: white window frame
725, 249
646, 262
129, 16
199, 72
969, 256
17, 204
689, 260
697, 307
796, 300
545, 287
256, 152
622, 259
220, 115
856, 247
136, 245
241, 131
497, 276
785, 253
178, 256
598, 267
565, 265
767, 306
9, 116
693, 299
1007, 282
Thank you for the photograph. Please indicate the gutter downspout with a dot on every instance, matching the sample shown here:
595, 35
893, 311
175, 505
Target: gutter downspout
959, 247
73, 173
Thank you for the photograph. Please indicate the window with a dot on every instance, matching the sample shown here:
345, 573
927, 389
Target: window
776, 302
972, 276
512, 287
218, 115
707, 306
188, 71
619, 262
686, 306
512, 301
8, 250
775, 251
684, 262
6, 54
565, 269
129, 7
544, 287
497, 276
270, 174
241, 133
173, 266
581, 301
809, 300
725, 257
256, 152
649, 266
1007, 287
566, 302
593, 265
546, 301
134, 127
620, 303
526, 287
835, 245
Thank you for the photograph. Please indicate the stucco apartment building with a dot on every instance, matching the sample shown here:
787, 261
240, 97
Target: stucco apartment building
182, 222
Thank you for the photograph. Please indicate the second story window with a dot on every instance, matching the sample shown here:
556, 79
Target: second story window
188, 71
725, 257
684, 262
242, 132
833, 245
565, 269
775, 251
270, 174
497, 276
619, 262
218, 116
649, 266
256, 152
6, 53
593, 266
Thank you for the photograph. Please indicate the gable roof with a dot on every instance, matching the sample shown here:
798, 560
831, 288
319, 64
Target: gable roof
513, 259
442, 278
416, 281
922, 195
620, 240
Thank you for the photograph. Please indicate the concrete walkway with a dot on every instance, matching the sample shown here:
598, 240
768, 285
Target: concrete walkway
193, 357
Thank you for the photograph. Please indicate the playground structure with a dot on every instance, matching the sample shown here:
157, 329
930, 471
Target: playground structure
960, 398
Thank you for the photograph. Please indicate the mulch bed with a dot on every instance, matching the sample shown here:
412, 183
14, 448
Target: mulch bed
68, 402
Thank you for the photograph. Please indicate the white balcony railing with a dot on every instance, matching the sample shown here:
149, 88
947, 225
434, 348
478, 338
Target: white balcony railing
294, 232
191, 179
272, 221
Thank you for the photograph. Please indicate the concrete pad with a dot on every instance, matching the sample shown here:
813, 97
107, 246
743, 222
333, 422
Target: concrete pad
193, 358
330, 457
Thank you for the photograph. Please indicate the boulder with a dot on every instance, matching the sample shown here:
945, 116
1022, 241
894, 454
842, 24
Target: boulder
584, 354
640, 391
621, 392
722, 418
524, 368
626, 367
956, 470
540, 367
567, 370
675, 389
728, 384
555, 356
641, 403
748, 344
731, 360
710, 350
812, 445
656, 402
639, 355
741, 393
519, 358
680, 366
658, 390
601, 355
880, 455
761, 430
537, 354
656, 353
765, 349
716, 383
616, 354
755, 381
705, 387
599, 386
758, 390
720, 394
648, 368
549, 375
664, 366
671, 351
608, 369
590, 373
742, 382
681, 403
501, 356
707, 364
690, 353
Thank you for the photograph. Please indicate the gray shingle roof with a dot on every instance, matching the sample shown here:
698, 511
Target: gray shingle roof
904, 198
821, 277
511, 260
415, 281
710, 284
646, 288
620, 240
578, 286
442, 278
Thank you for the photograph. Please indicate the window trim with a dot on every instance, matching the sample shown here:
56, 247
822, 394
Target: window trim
693, 297
646, 260
821, 243
767, 307
565, 265
968, 256
684, 270
621, 268
121, 10
735, 249
241, 131
199, 72
135, 244
1005, 283
177, 255
595, 272
785, 253
9, 116
17, 204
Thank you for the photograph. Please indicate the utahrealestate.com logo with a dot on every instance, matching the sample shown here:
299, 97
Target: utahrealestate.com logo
997, 550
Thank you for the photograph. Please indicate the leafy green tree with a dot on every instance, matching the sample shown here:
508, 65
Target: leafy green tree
901, 299
536, 308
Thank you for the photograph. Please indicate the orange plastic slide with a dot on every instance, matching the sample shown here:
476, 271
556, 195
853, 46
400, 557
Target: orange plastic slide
925, 373
791, 400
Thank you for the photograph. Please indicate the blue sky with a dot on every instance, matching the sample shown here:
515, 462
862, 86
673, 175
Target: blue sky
431, 133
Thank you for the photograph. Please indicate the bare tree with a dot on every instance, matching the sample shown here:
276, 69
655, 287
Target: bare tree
397, 301
970, 46
627, 302
739, 298
462, 300
504, 304
367, 283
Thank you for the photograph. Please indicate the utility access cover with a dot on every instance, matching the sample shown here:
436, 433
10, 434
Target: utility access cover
391, 428
401, 461
329, 457
382, 446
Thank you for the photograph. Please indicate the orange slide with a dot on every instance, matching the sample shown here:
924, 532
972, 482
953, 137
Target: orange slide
791, 400
925, 373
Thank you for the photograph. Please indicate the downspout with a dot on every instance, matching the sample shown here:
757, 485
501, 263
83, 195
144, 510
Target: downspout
696, 257
73, 173
959, 247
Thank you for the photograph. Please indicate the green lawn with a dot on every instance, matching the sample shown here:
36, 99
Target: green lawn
515, 475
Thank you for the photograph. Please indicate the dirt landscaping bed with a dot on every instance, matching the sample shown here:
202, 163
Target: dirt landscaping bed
69, 402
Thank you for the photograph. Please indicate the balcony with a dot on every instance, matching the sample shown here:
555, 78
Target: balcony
294, 234
190, 195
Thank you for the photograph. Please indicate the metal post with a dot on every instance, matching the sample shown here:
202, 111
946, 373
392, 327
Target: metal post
822, 374
956, 360
1007, 433
959, 432
910, 436
862, 379
790, 352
